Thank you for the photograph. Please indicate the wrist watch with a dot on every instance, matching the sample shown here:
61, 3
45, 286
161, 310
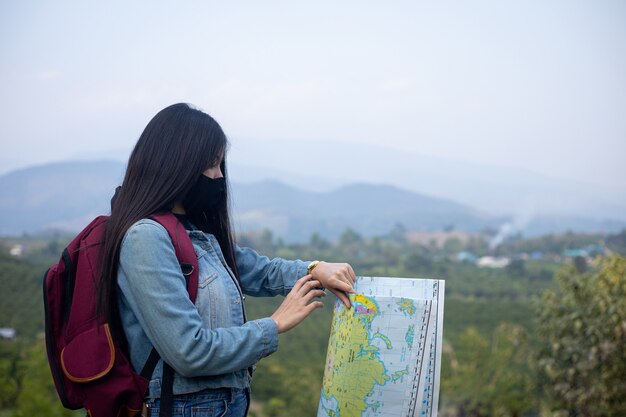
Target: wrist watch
311, 266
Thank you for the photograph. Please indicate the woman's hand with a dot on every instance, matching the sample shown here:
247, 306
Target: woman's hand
297, 304
338, 278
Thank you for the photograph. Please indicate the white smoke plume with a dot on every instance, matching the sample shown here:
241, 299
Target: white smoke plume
518, 224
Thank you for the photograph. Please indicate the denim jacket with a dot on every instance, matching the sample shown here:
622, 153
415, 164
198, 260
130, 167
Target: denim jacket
209, 344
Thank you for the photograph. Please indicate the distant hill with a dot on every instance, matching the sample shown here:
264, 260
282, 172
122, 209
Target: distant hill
495, 189
367, 208
62, 195
65, 196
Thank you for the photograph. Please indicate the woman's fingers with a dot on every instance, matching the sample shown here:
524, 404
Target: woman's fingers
308, 286
343, 297
346, 273
313, 294
314, 306
342, 286
298, 304
299, 283
351, 274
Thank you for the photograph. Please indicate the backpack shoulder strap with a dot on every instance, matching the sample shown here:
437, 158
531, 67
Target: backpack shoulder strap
184, 249
189, 264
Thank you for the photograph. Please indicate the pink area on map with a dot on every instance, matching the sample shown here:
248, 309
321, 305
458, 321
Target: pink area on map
362, 310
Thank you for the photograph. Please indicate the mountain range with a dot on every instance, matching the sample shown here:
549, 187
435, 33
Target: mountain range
66, 195
500, 190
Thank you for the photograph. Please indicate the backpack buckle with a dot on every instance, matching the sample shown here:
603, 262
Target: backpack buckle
187, 268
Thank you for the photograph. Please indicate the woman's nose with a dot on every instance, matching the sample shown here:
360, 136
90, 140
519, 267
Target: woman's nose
214, 172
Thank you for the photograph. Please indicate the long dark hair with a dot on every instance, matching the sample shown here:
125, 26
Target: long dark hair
175, 148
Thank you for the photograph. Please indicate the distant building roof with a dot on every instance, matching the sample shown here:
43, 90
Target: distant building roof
17, 250
7, 333
572, 253
493, 262
465, 256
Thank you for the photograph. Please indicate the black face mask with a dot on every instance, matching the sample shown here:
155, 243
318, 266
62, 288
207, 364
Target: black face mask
205, 195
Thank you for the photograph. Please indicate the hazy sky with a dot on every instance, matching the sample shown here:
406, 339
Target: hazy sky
533, 84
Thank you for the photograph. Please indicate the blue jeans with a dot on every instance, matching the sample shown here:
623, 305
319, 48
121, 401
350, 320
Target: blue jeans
222, 402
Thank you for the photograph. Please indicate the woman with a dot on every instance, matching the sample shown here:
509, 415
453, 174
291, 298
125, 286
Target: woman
179, 165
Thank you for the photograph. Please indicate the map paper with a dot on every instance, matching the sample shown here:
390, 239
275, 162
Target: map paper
384, 354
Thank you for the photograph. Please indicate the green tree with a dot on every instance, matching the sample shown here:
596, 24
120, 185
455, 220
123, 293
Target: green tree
517, 268
318, 242
452, 245
491, 377
10, 380
38, 396
584, 325
350, 237
617, 242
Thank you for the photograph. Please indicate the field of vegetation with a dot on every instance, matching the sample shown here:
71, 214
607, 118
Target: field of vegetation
542, 336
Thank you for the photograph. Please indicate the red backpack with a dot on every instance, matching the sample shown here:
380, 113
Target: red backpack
89, 367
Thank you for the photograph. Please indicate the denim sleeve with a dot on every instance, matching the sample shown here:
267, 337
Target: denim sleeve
151, 280
263, 277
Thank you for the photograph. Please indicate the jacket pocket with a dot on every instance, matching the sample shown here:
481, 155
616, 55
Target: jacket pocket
205, 280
